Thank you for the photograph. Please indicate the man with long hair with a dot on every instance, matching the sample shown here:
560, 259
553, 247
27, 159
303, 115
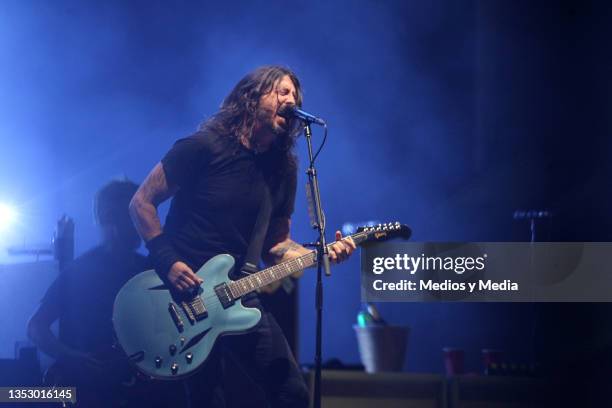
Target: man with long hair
218, 178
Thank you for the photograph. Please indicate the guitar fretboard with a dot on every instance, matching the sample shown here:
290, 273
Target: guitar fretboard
262, 278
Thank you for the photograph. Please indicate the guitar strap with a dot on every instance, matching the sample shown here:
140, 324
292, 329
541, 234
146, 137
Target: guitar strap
251, 260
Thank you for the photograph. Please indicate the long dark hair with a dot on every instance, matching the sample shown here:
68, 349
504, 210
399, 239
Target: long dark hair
236, 116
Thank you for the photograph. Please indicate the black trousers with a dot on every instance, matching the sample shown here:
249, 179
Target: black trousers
255, 369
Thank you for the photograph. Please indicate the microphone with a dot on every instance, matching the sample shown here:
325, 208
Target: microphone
291, 111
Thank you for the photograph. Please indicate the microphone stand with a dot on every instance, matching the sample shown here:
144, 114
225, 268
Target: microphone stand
322, 259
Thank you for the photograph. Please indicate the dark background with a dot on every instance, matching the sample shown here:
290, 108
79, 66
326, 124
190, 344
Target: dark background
445, 115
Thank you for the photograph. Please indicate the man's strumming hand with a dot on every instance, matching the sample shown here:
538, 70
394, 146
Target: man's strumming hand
182, 277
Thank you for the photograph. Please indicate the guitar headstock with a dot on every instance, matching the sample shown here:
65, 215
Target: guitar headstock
384, 232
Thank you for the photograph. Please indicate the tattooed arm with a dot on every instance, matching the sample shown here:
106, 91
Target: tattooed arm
279, 247
143, 207
143, 210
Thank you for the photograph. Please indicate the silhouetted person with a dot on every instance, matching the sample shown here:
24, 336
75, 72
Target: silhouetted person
82, 297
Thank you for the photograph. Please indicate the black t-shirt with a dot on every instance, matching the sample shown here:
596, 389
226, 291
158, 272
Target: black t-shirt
220, 191
85, 292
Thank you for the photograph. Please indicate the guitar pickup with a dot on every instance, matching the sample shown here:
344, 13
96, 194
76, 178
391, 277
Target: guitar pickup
176, 318
197, 310
224, 294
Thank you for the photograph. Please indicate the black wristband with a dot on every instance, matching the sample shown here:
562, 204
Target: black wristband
162, 254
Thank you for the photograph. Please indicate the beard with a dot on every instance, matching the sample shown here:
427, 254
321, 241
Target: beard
267, 120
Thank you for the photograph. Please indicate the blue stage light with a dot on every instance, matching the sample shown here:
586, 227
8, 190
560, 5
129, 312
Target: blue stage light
349, 228
8, 215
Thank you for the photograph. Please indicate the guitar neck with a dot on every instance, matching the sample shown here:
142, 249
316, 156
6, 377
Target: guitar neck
275, 273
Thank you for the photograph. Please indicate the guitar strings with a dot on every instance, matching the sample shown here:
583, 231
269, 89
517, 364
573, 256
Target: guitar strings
293, 261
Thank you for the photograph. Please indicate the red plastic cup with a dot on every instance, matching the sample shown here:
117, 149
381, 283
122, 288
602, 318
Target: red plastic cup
453, 360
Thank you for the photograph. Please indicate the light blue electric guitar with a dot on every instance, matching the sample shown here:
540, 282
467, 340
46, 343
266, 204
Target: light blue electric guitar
167, 335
